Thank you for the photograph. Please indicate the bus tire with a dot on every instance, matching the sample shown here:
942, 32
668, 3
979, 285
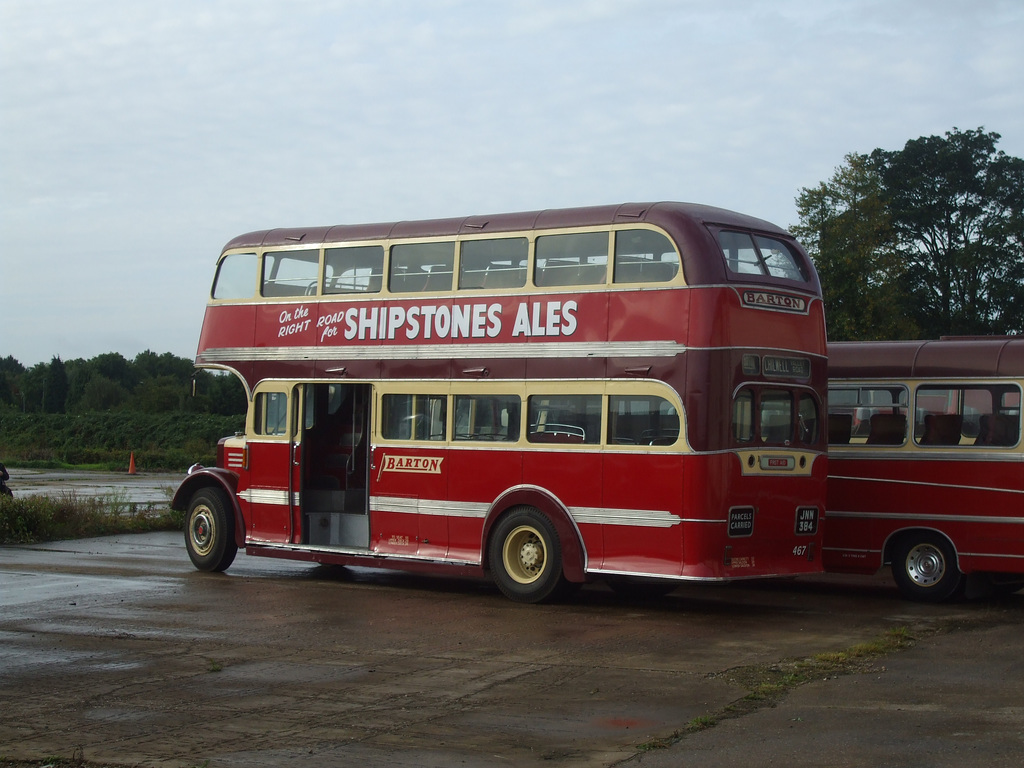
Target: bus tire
526, 556
210, 531
925, 568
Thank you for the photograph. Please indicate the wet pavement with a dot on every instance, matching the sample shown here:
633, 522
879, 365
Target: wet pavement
140, 488
118, 647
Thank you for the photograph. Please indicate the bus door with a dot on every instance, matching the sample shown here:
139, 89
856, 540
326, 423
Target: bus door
410, 476
335, 450
273, 457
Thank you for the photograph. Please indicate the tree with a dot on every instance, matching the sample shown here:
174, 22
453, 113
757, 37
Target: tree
150, 365
55, 388
115, 367
159, 395
220, 393
10, 371
101, 394
151, 383
921, 242
847, 231
954, 202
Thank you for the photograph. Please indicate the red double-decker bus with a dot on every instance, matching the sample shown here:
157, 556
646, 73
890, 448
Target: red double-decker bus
926, 465
630, 392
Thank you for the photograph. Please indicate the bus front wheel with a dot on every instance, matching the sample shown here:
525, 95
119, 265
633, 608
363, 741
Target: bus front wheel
925, 568
526, 556
210, 531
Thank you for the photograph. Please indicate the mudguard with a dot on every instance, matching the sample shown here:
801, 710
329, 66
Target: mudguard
574, 556
199, 477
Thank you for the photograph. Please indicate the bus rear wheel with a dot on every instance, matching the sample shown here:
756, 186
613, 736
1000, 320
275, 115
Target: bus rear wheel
526, 556
925, 568
210, 531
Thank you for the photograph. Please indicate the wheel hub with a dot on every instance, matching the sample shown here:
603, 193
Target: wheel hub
925, 565
531, 556
524, 554
202, 533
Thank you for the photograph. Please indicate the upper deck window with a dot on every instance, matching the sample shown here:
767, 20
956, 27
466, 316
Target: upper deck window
644, 256
747, 254
418, 267
493, 263
236, 277
576, 259
290, 273
354, 270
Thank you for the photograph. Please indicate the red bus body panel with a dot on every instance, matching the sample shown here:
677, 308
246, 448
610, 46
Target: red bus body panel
619, 512
973, 495
977, 505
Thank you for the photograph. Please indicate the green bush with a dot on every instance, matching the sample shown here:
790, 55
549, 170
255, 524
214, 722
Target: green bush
160, 441
30, 519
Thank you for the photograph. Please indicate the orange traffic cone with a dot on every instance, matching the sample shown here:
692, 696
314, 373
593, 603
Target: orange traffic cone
131, 464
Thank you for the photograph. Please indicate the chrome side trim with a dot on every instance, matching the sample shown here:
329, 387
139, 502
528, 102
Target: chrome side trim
467, 509
919, 518
269, 496
442, 351
956, 486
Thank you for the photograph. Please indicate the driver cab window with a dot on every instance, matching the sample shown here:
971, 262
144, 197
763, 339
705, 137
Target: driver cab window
270, 414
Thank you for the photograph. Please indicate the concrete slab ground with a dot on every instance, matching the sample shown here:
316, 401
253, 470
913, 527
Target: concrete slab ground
953, 700
118, 650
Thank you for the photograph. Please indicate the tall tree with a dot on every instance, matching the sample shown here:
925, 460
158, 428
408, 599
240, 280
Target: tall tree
150, 365
115, 367
954, 201
921, 242
845, 227
10, 370
55, 388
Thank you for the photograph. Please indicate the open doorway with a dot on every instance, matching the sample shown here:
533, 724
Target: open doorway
335, 464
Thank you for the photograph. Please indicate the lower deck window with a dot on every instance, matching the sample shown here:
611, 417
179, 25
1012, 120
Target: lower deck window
983, 415
488, 418
770, 416
413, 417
565, 419
270, 414
636, 420
639, 419
871, 415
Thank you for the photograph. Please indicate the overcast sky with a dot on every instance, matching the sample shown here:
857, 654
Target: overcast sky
137, 137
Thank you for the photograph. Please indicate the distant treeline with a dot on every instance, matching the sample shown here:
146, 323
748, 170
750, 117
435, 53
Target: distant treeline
150, 383
99, 412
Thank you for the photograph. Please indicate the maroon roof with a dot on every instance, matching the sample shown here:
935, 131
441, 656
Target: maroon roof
985, 356
685, 222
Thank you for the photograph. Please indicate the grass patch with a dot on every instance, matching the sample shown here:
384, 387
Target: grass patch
71, 762
767, 684
77, 760
34, 519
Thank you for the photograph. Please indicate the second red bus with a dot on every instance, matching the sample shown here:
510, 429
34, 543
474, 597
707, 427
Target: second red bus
926, 464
